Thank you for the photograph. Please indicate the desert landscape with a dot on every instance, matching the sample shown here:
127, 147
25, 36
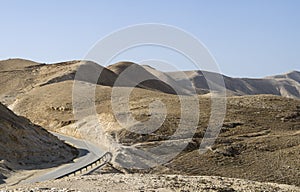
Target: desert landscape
150, 96
257, 148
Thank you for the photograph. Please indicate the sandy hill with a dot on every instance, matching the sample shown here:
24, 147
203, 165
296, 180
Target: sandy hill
14, 83
16, 64
287, 85
20, 76
68, 71
27, 146
155, 80
294, 75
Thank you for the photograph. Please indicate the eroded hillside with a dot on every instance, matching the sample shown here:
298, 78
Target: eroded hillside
28, 146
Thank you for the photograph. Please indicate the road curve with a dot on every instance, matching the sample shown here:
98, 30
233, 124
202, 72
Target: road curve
88, 153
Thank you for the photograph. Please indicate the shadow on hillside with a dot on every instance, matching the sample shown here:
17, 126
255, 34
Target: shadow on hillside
2, 177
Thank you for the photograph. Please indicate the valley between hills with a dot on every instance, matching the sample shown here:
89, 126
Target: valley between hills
257, 149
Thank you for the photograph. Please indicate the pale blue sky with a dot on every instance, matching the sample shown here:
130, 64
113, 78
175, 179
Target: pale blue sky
252, 38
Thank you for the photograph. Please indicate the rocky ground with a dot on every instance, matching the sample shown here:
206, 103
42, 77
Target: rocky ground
162, 183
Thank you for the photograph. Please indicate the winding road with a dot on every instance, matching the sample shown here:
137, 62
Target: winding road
88, 153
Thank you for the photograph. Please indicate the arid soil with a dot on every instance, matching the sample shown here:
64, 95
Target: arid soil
259, 139
148, 182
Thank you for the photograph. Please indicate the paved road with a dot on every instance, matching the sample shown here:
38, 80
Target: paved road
88, 153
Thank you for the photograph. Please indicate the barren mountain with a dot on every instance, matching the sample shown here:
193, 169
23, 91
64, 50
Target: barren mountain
259, 139
20, 76
27, 146
287, 85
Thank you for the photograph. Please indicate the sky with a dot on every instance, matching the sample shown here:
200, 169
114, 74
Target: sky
253, 38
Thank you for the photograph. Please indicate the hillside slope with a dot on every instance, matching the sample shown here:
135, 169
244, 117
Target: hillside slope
16, 64
27, 146
147, 78
286, 85
15, 83
20, 76
259, 139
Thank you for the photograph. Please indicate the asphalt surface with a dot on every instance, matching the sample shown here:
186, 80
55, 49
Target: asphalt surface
88, 152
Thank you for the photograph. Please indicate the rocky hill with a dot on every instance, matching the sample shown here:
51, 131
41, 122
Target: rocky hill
27, 146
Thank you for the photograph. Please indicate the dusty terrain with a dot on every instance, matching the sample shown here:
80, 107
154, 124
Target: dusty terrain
259, 139
148, 182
